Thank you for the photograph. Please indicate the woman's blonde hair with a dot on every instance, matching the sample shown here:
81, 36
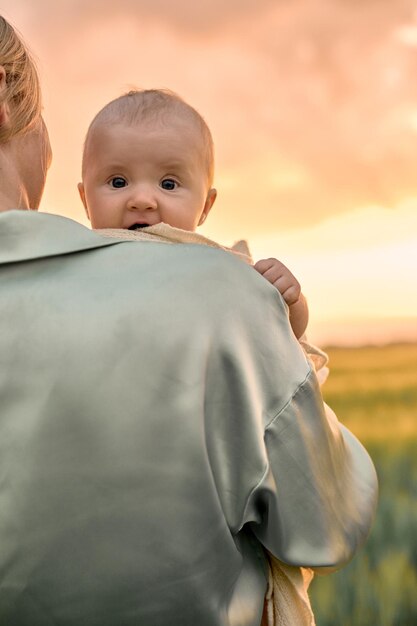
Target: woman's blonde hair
22, 93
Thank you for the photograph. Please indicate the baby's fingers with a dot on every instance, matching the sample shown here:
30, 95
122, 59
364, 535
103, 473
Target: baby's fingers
292, 294
264, 265
281, 278
289, 288
272, 270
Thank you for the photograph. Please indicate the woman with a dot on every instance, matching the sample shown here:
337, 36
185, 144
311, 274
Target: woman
157, 430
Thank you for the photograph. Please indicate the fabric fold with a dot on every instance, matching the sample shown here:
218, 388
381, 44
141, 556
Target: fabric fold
286, 601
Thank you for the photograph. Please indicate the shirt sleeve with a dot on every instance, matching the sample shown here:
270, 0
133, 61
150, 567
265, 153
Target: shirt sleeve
315, 503
282, 463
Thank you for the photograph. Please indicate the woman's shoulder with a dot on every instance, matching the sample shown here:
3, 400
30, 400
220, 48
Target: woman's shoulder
28, 235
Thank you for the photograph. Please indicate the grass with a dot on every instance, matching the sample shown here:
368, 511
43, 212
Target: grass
374, 390
374, 393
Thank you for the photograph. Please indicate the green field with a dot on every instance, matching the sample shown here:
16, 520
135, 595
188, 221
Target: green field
374, 393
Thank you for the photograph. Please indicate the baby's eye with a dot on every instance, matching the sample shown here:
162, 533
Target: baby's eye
169, 184
118, 182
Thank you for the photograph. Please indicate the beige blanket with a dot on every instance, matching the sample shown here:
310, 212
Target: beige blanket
168, 234
286, 601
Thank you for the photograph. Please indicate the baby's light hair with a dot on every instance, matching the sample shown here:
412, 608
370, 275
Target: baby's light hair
22, 93
153, 105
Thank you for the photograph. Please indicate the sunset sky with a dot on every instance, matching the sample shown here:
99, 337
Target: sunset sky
313, 110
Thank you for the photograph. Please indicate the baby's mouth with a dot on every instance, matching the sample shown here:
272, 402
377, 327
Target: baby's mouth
137, 226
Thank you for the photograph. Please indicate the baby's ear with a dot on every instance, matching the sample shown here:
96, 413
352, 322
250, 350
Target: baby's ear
4, 109
81, 191
211, 196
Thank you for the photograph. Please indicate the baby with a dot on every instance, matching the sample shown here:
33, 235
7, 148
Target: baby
148, 158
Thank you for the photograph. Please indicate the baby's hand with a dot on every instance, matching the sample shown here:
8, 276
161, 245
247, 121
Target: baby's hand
280, 277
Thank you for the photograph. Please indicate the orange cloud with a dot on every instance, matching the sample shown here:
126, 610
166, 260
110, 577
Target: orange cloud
313, 106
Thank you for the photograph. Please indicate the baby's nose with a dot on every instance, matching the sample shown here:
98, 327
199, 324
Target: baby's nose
142, 199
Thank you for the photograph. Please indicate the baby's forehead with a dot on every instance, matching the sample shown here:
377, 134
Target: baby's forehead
163, 131
178, 125
175, 142
180, 121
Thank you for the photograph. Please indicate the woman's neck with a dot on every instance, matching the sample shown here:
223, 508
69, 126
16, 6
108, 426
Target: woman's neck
13, 194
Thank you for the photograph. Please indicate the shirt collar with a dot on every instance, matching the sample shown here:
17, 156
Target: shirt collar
27, 235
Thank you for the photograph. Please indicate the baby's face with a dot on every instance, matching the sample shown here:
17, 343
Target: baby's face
144, 174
